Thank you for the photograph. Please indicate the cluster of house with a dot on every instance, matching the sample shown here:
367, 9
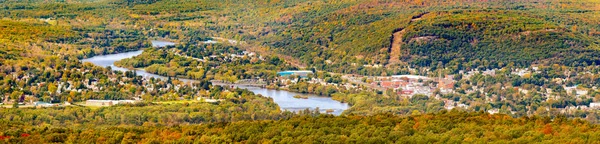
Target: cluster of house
414, 84
94, 102
450, 104
305, 73
568, 109
232, 56
44, 104
87, 103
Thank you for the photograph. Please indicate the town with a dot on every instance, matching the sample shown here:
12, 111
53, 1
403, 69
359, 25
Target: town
456, 90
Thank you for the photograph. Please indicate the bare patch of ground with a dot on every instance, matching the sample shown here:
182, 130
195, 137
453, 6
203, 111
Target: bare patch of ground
397, 43
423, 39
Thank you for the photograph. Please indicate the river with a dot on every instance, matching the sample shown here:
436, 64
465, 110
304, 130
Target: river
284, 99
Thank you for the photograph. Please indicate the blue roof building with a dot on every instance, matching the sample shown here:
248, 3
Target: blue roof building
298, 73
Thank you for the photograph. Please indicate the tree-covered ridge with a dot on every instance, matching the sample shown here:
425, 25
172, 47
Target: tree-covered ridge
443, 127
355, 35
465, 40
29, 30
30, 38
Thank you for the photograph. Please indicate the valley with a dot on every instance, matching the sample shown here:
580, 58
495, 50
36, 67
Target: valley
299, 71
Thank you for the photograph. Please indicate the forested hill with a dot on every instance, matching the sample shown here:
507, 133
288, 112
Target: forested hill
444, 127
488, 39
460, 35
357, 36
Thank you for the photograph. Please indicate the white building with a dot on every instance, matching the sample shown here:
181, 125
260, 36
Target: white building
595, 105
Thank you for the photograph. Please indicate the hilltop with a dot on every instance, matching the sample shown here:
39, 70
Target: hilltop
488, 39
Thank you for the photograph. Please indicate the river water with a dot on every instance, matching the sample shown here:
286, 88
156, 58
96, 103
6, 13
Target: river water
284, 99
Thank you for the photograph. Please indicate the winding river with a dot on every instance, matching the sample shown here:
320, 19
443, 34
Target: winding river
284, 99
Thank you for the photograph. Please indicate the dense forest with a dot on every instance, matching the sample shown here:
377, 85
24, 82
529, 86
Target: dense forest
442, 127
466, 40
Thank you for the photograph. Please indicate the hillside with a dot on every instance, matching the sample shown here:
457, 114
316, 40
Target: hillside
464, 40
356, 36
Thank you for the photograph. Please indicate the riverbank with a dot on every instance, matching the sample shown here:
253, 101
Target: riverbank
284, 99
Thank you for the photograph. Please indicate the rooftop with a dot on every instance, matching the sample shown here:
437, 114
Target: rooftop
410, 76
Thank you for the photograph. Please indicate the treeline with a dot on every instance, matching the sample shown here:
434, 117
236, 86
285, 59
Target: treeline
233, 105
443, 127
